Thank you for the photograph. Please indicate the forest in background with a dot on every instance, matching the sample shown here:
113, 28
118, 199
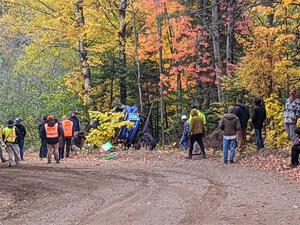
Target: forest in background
57, 56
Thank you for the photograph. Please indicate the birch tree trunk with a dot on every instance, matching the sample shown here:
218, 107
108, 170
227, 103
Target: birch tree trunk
86, 71
112, 83
122, 46
216, 45
137, 62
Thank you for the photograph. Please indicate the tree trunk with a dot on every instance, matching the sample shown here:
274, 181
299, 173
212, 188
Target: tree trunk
86, 71
202, 91
216, 45
122, 46
137, 62
230, 39
160, 65
112, 85
173, 50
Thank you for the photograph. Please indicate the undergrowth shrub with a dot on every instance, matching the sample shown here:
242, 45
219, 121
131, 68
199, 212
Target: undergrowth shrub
109, 123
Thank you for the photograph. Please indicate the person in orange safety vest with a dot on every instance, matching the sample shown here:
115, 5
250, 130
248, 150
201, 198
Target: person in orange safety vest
51, 131
68, 130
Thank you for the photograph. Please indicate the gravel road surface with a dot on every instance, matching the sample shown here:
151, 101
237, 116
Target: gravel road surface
152, 192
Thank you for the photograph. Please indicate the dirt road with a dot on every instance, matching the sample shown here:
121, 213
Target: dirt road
156, 192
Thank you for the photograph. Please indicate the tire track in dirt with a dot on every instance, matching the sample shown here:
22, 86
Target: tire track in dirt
158, 185
44, 187
201, 207
197, 210
126, 206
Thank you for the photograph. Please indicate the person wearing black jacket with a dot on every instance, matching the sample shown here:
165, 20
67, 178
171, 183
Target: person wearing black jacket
51, 132
258, 118
21, 139
43, 148
76, 122
243, 114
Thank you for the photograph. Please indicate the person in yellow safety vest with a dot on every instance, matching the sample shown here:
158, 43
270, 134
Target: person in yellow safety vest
10, 137
68, 129
51, 131
200, 114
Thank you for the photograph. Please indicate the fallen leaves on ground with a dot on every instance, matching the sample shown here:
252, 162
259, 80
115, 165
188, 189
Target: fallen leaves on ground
272, 162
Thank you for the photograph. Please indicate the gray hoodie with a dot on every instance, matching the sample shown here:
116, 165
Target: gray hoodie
230, 124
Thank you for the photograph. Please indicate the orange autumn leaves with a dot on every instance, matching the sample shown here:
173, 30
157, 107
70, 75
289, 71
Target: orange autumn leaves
181, 40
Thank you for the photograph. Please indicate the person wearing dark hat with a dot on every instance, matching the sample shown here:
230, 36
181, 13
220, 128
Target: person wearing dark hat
21, 139
76, 122
258, 118
51, 131
295, 149
10, 137
43, 148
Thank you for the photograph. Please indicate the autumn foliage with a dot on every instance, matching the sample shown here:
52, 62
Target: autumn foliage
165, 53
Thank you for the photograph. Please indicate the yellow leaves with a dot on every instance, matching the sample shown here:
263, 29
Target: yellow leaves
283, 39
270, 49
109, 122
52, 34
264, 10
276, 136
263, 31
289, 2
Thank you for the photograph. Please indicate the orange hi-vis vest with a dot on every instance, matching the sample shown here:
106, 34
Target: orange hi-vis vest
68, 128
51, 132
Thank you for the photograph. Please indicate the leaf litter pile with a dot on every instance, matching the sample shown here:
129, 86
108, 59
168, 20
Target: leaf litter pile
271, 160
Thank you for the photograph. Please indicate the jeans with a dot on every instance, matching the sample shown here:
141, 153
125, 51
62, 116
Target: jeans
231, 146
43, 148
184, 142
21, 146
290, 128
196, 138
259, 139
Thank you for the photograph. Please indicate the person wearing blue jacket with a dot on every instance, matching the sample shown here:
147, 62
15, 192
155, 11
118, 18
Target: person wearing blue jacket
184, 141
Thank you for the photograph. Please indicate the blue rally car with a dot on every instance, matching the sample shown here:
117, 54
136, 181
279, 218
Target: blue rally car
138, 136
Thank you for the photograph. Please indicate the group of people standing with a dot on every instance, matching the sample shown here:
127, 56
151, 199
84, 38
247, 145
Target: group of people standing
233, 124
57, 136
